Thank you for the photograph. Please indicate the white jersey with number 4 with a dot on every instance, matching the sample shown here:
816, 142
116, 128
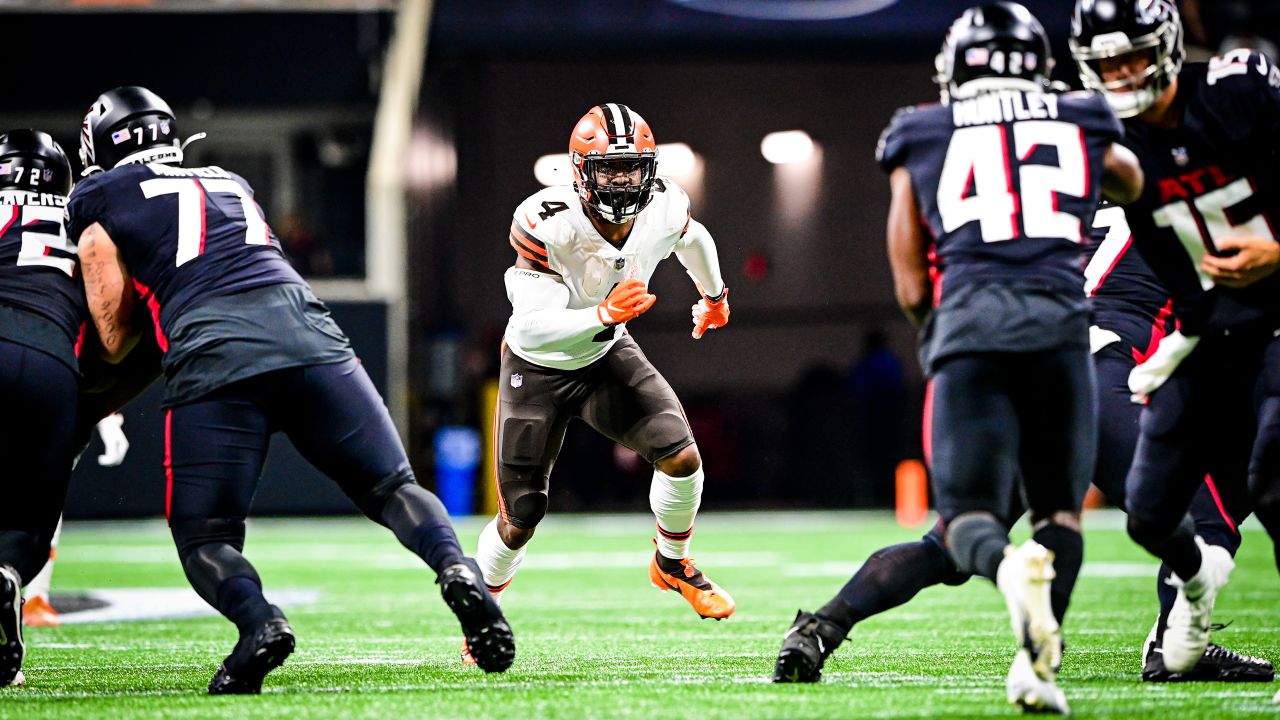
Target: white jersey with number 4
551, 230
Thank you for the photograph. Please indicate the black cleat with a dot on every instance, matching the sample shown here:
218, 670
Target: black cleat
11, 647
1218, 664
488, 635
253, 657
806, 646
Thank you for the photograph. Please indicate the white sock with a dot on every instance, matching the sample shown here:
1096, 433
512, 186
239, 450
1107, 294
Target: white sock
675, 502
498, 562
39, 585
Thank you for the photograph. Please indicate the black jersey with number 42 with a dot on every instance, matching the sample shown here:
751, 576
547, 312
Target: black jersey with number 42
1215, 176
186, 234
1006, 182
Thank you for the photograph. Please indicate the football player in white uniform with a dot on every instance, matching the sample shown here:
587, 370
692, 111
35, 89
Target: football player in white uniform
585, 254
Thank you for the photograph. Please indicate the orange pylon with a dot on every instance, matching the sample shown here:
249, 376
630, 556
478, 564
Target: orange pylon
912, 493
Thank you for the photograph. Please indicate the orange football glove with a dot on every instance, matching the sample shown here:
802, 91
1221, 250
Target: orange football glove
627, 301
710, 314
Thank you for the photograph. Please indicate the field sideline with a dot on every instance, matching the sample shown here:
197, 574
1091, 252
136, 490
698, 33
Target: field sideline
595, 640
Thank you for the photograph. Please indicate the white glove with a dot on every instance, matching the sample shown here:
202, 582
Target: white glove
114, 444
1150, 375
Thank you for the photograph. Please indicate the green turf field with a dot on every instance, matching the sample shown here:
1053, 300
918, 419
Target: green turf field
595, 640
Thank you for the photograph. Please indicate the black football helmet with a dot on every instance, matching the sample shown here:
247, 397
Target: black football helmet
1102, 29
127, 125
992, 46
33, 161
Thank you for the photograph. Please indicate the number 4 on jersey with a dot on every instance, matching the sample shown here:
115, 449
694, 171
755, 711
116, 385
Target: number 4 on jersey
551, 207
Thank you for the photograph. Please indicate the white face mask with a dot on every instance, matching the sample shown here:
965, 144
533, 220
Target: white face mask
1131, 103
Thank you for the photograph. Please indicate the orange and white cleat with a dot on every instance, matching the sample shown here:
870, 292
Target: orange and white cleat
37, 612
708, 599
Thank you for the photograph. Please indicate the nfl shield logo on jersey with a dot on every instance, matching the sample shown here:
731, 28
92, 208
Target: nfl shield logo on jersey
516, 380
619, 263
1180, 156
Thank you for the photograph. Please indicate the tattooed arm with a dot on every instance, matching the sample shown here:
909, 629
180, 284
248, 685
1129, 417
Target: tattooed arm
109, 290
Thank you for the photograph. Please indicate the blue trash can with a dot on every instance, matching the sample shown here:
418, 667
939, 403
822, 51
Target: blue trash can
457, 451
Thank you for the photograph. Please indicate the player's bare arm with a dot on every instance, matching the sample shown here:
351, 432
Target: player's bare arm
1122, 180
908, 249
109, 290
1248, 259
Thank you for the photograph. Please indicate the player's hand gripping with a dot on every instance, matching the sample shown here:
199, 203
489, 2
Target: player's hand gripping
710, 314
1252, 258
627, 301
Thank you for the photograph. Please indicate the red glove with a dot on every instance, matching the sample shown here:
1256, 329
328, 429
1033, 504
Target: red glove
710, 314
627, 301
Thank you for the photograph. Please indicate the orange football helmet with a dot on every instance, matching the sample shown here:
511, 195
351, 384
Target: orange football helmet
615, 161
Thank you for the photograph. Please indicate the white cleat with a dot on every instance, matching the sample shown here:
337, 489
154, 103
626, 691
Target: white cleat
1187, 634
19, 680
11, 647
1024, 577
1031, 693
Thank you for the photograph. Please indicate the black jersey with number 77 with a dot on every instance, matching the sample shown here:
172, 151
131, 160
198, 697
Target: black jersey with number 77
186, 234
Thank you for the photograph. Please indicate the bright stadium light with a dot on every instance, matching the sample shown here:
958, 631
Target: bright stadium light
553, 170
786, 147
431, 160
675, 160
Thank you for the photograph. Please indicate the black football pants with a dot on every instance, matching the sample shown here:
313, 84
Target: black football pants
38, 397
1201, 422
995, 417
215, 447
1118, 418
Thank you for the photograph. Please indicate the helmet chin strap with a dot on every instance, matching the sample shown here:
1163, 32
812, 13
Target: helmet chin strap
167, 154
193, 138
978, 86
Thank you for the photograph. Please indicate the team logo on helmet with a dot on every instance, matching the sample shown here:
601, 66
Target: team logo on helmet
129, 124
